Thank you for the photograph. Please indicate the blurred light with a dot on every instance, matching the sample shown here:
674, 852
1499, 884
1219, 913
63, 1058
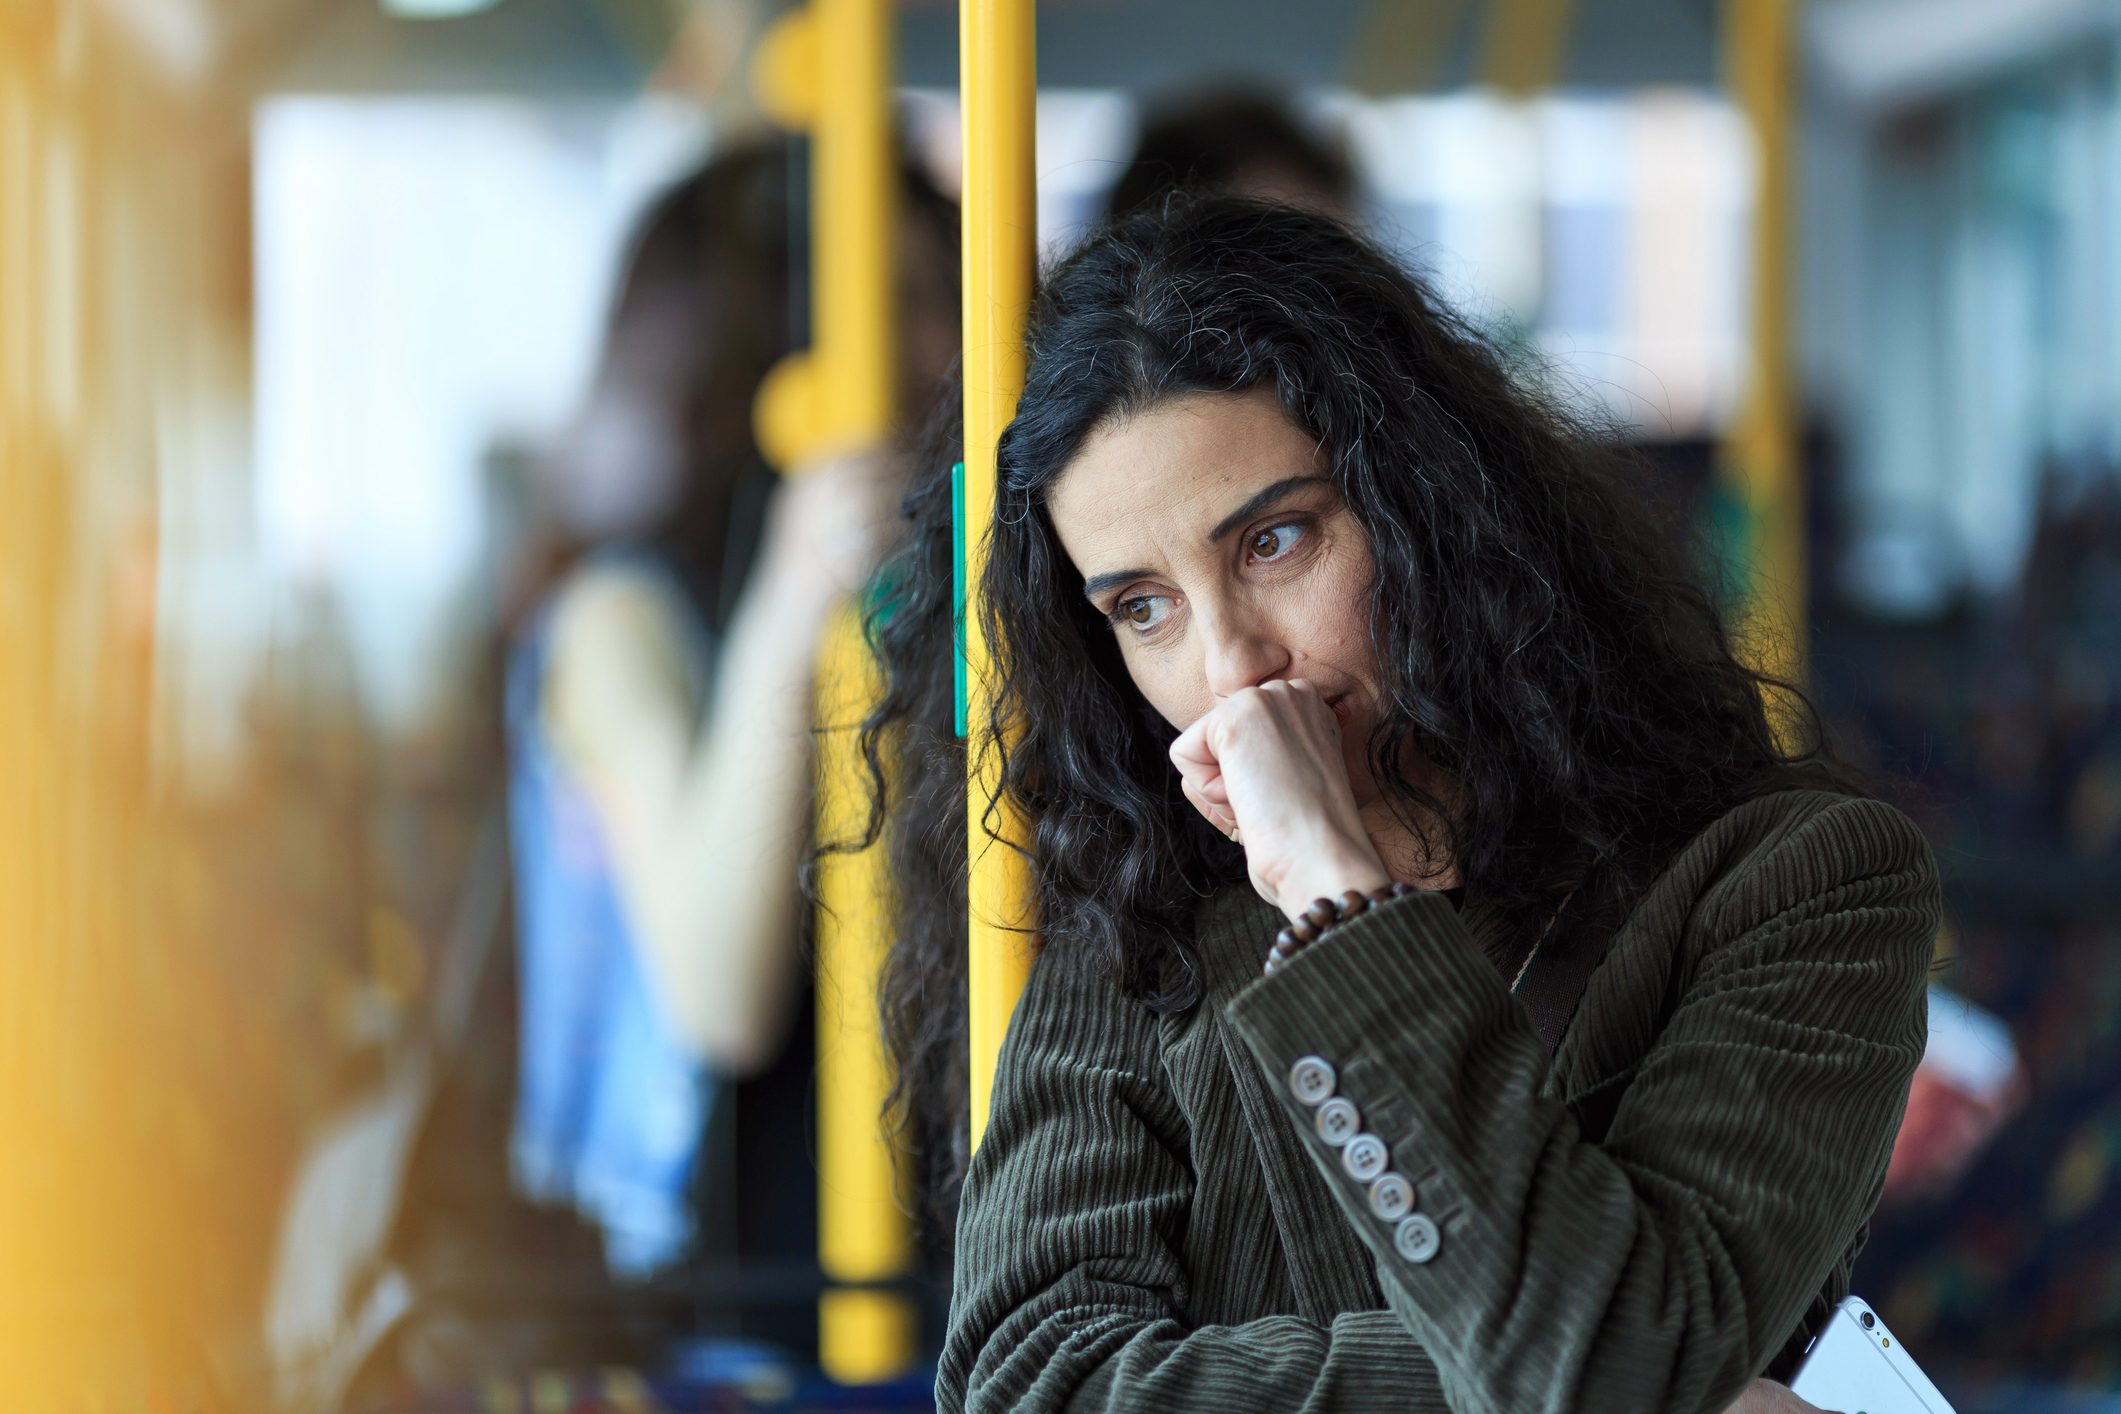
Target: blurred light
395, 356
435, 9
178, 33
1903, 51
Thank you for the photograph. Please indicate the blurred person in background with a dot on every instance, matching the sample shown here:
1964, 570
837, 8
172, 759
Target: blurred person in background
1237, 142
659, 705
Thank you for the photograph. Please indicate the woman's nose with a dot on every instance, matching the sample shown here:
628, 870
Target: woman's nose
1242, 654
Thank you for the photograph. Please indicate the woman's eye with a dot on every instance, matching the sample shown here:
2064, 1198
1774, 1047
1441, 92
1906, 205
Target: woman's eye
1144, 612
1275, 542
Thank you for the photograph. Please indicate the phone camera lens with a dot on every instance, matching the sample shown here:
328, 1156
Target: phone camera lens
1868, 1320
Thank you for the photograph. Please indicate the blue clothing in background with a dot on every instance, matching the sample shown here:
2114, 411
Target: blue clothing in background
610, 1104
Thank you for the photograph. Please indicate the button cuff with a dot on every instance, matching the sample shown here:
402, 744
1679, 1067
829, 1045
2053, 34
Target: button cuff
1338, 1121
1364, 1157
1312, 1081
1417, 1238
1391, 1197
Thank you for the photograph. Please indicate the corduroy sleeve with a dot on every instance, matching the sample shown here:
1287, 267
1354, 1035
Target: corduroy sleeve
1661, 1268
1069, 1286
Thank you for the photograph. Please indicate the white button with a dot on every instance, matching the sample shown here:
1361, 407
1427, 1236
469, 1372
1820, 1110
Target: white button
1338, 1121
1312, 1080
1364, 1158
1416, 1238
1391, 1197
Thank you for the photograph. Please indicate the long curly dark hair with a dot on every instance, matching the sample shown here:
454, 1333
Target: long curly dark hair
1541, 636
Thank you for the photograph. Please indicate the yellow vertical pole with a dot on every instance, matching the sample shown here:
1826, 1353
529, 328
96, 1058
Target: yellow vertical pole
1761, 452
1527, 41
827, 68
854, 230
864, 1334
1402, 48
998, 79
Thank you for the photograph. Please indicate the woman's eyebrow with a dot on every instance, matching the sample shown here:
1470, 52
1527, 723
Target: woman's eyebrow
1097, 584
1260, 501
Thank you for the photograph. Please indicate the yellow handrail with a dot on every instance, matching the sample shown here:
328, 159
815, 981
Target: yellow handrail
999, 84
864, 1334
827, 68
1761, 452
1527, 44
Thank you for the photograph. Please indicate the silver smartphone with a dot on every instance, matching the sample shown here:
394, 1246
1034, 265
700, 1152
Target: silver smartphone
1857, 1366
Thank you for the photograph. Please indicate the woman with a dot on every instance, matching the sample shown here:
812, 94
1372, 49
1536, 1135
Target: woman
1302, 597
660, 714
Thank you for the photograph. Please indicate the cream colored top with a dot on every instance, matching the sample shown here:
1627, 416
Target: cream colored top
705, 802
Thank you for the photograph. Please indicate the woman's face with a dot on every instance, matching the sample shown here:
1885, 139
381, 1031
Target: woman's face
1209, 533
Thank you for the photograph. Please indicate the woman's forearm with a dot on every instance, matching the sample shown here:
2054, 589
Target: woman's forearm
717, 887
706, 808
1667, 1263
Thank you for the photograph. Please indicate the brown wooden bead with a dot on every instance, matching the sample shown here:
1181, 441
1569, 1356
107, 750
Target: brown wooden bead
1323, 914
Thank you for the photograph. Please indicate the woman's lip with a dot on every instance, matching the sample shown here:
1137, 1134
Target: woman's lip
1340, 707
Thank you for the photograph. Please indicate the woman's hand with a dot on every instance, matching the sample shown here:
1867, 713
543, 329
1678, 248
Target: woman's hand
1266, 763
1767, 1397
826, 530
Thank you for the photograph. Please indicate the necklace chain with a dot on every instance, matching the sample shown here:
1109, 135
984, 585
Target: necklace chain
1525, 969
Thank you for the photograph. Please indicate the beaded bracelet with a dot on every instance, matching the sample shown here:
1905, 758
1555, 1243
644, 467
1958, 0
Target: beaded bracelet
1324, 914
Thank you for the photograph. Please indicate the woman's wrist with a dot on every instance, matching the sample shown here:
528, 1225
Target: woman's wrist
787, 612
1339, 873
1324, 914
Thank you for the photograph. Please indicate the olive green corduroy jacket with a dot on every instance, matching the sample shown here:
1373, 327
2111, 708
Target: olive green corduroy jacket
1642, 1222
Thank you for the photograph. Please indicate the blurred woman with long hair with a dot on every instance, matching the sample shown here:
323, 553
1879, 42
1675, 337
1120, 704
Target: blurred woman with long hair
660, 702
